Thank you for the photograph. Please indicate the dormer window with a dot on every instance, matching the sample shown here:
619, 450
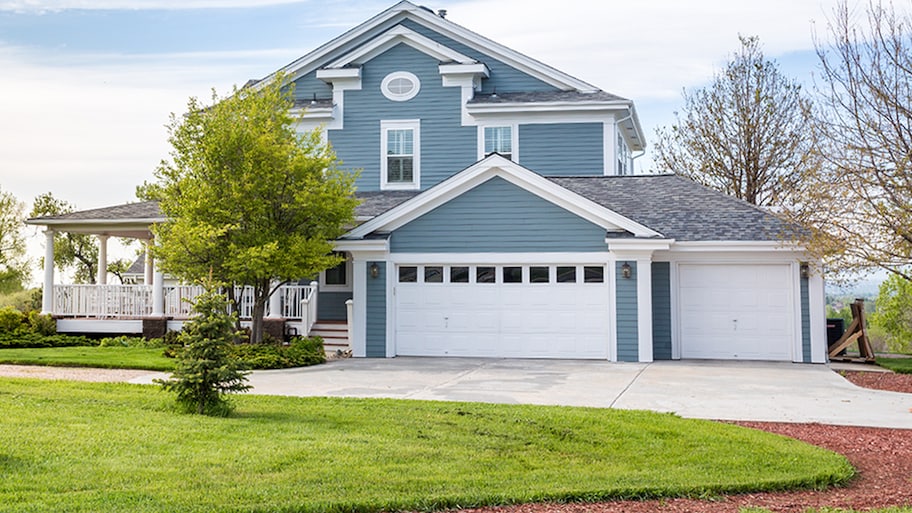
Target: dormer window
400, 86
497, 139
624, 162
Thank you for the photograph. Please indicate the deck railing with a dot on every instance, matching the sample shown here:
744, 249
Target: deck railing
135, 301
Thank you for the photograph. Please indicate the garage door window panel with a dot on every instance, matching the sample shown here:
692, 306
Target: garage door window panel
594, 274
539, 274
459, 274
512, 274
484, 274
433, 274
566, 274
408, 274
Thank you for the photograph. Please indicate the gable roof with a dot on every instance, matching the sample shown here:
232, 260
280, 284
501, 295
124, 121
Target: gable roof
482, 171
328, 53
680, 208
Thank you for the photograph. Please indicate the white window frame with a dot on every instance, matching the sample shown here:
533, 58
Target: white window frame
401, 124
344, 287
400, 97
514, 139
624, 163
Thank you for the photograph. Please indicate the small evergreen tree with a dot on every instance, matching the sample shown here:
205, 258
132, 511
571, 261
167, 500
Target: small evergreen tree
205, 371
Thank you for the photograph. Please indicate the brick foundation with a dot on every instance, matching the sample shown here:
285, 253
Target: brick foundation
154, 327
275, 328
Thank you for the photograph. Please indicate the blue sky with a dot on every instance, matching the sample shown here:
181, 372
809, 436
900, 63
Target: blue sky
86, 86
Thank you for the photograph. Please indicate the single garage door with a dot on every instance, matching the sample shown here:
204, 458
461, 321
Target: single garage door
515, 311
741, 312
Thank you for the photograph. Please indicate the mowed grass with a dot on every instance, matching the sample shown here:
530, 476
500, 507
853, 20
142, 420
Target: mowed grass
81, 447
900, 365
83, 356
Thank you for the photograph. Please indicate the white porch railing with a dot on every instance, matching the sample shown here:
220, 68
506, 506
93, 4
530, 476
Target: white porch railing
135, 301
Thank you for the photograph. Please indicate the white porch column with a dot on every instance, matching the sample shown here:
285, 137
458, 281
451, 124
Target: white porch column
275, 303
102, 260
147, 268
817, 307
644, 307
47, 298
158, 294
359, 312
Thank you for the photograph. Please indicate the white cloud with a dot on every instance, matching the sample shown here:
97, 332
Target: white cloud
41, 6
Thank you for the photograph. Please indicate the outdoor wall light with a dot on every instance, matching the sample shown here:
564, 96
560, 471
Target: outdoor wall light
625, 271
805, 270
375, 270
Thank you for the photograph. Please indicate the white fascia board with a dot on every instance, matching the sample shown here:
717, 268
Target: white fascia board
393, 37
477, 109
515, 59
73, 223
332, 74
310, 113
582, 258
473, 70
362, 245
406, 9
738, 246
492, 166
634, 247
308, 62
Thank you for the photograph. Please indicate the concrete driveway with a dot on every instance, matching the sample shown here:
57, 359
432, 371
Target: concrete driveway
764, 391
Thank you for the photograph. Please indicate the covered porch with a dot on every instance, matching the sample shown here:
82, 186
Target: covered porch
158, 304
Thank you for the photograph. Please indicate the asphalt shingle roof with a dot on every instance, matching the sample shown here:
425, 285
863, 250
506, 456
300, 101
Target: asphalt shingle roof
547, 96
679, 208
377, 202
141, 210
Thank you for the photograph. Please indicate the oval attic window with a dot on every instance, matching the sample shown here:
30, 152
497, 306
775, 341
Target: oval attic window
400, 86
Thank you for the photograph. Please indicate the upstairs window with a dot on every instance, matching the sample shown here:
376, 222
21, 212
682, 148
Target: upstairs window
400, 159
497, 139
624, 163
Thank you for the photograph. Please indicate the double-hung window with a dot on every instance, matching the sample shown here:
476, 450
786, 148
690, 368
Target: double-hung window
400, 162
497, 139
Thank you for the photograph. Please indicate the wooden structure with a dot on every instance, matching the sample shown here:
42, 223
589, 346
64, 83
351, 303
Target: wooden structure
856, 332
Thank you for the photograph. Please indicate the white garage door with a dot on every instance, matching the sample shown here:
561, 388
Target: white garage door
516, 311
736, 311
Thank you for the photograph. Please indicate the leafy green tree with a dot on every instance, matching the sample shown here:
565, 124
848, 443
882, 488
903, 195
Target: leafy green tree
748, 134
249, 201
76, 251
894, 312
860, 203
205, 371
14, 267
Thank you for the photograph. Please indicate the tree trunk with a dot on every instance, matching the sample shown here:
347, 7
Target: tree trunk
261, 295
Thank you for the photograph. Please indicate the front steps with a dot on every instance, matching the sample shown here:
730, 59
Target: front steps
334, 335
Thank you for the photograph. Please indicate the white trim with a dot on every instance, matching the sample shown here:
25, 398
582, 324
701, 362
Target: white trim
394, 36
644, 309
347, 286
402, 124
99, 326
527, 258
380, 246
407, 10
480, 172
737, 246
514, 139
563, 107
359, 308
390, 309
400, 97
817, 310
330, 75
475, 70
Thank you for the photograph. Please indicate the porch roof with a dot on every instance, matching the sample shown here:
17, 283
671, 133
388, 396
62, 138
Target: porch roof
131, 220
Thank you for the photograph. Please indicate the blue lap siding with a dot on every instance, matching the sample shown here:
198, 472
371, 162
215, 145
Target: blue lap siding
628, 346
566, 149
661, 311
331, 306
376, 312
498, 216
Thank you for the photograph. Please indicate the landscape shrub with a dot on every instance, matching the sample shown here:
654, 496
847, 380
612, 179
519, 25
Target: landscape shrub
125, 341
44, 325
300, 352
25, 339
11, 320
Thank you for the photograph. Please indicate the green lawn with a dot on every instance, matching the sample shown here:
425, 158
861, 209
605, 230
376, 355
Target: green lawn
81, 447
900, 365
103, 357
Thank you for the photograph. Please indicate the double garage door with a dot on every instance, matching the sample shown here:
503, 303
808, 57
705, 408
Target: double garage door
518, 311
744, 312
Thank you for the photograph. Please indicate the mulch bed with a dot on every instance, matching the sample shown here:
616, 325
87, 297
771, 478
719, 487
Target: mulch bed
882, 457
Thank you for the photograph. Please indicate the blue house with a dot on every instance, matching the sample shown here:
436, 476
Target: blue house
500, 216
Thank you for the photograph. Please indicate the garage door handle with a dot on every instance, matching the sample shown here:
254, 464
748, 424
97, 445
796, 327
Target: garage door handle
736, 324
